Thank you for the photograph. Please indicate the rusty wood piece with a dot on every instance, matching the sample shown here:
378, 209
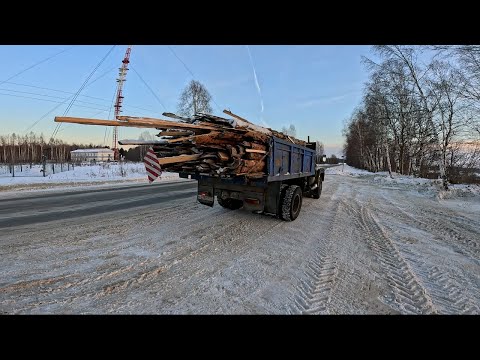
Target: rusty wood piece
244, 123
254, 156
223, 156
257, 136
174, 133
177, 159
255, 151
251, 166
257, 146
175, 116
166, 124
213, 138
240, 150
181, 139
236, 116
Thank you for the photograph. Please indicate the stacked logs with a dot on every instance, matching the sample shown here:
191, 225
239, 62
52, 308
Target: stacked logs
204, 143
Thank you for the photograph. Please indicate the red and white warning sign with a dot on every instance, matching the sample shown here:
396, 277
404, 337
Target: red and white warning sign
151, 165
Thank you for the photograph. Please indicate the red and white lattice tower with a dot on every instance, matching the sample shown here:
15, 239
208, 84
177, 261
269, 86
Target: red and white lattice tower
122, 74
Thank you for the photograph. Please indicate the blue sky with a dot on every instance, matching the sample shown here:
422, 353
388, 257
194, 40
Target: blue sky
315, 88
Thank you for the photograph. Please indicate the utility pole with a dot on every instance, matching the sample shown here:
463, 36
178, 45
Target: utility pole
118, 102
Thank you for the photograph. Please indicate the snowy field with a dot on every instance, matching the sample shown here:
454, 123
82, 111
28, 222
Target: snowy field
79, 176
369, 245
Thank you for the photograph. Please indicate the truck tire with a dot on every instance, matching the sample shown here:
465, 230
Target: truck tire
232, 204
283, 189
317, 192
292, 203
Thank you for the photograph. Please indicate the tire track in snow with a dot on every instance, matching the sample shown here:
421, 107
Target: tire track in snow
444, 233
456, 302
448, 293
407, 293
313, 294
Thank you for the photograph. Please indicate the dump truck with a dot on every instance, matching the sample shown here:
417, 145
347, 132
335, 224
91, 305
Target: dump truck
240, 163
293, 173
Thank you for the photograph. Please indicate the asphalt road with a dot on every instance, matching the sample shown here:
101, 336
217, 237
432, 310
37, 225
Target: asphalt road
39, 208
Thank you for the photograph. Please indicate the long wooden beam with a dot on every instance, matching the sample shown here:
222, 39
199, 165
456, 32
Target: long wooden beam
177, 159
236, 116
175, 133
164, 123
86, 121
134, 122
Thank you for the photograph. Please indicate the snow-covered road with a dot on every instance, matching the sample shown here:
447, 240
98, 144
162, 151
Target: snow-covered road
365, 247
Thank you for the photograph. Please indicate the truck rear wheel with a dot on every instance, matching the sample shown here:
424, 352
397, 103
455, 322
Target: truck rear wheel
232, 204
291, 203
316, 193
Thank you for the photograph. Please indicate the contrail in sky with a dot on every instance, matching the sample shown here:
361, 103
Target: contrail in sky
256, 83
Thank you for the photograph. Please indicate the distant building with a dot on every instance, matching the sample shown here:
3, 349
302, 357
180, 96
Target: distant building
91, 155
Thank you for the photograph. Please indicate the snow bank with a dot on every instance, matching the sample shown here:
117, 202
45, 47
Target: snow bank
346, 170
432, 186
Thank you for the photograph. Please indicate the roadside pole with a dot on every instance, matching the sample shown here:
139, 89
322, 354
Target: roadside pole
44, 162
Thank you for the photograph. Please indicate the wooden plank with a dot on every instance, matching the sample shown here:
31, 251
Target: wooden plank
159, 123
133, 122
243, 123
255, 151
177, 159
170, 141
175, 133
142, 142
223, 156
86, 121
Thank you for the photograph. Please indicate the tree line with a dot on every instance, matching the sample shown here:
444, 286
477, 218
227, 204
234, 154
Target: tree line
419, 113
29, 148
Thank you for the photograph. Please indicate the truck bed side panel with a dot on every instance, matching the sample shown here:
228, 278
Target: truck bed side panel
289, 161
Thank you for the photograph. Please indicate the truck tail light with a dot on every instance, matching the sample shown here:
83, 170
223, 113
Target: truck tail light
252, 201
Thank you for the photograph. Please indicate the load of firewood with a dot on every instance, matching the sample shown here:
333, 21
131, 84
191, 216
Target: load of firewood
204, 143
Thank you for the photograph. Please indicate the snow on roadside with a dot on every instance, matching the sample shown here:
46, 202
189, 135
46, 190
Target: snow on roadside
432, 186
346, 170
81, 175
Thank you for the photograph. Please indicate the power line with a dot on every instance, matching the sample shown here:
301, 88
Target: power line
149, 88
56, 90
81, 88
67, 92
50, 96
57, 106
59, 102
65, 99
109, 112
34, 65
191, 73
86, 80
185, 65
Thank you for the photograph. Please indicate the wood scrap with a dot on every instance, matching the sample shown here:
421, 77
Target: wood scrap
203, 143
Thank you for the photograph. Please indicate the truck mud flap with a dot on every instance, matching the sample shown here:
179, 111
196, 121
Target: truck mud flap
205, 194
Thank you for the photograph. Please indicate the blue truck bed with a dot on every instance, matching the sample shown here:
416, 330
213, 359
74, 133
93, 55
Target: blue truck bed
289, 161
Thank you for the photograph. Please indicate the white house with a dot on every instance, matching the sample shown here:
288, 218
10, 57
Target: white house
91, 155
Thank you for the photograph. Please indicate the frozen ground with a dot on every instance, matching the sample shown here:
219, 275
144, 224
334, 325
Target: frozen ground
80, 176
367, 246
